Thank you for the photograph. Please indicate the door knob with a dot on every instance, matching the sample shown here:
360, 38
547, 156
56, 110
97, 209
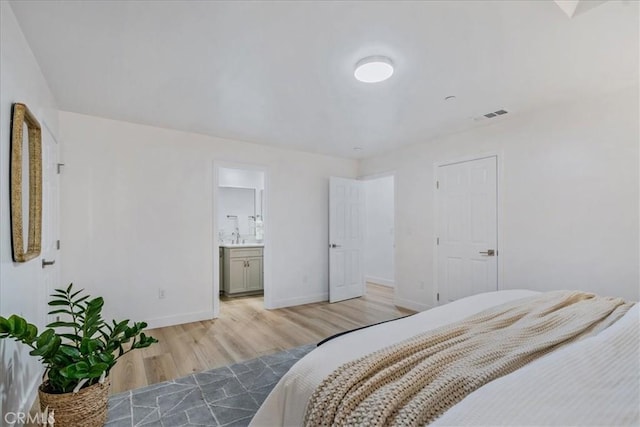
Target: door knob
46, 263
488, 252
333, 245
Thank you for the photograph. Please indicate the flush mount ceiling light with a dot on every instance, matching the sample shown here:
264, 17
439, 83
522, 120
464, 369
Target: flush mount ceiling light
373, 69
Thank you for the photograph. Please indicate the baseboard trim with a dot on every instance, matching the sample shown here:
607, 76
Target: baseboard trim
411, 305
380, 281
161, 322
290, 302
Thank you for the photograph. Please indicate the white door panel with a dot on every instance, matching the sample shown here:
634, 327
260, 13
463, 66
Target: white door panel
346, 218
467, 228
50, 216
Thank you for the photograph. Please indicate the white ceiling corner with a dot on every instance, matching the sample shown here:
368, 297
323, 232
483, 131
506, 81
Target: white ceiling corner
568, 6
576, 7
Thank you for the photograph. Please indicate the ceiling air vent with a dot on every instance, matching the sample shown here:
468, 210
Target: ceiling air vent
495, 114
490, 115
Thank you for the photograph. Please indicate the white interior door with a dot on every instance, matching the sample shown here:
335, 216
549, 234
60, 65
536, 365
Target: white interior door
467, 228
50, 215
346, 238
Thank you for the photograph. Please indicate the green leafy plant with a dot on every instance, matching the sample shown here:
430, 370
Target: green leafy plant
81, 349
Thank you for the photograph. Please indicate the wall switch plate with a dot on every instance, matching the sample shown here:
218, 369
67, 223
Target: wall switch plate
161, 294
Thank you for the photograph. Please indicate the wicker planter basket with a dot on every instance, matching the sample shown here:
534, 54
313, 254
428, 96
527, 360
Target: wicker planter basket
87, 408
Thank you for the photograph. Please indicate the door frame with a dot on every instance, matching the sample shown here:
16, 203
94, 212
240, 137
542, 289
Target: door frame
379, 175
499, 155
266, 219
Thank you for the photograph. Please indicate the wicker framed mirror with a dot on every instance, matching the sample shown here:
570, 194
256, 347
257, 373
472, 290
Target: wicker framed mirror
26, 165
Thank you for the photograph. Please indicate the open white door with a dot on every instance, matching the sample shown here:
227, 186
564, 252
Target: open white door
50, 217
346, 238
467, 228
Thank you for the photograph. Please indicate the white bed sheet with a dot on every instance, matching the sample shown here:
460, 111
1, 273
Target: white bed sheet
287, 402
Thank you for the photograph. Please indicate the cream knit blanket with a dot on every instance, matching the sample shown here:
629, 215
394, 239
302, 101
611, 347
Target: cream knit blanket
415, 381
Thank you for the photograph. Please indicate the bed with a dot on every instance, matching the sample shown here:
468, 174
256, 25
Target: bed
594, 380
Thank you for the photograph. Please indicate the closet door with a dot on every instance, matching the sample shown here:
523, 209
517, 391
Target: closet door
467, 228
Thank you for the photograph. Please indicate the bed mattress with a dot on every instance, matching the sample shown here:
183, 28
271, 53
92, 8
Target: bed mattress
568, 386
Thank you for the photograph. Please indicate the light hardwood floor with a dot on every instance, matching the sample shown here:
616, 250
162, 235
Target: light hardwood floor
246, 330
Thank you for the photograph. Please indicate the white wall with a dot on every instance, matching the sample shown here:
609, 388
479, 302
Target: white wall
21, 284
137, 215
569, 198
379, 253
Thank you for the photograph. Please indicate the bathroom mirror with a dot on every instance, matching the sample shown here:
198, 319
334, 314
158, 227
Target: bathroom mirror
239, 203
25, 184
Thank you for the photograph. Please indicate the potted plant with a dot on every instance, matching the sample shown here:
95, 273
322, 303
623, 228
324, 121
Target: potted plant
78, 350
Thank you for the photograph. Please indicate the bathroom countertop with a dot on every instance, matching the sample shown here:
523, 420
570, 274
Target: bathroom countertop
241, 245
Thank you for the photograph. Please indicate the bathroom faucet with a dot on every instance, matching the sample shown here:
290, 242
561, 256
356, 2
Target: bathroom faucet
237, 228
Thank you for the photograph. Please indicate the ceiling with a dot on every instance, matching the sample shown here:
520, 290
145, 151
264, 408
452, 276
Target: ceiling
281, 73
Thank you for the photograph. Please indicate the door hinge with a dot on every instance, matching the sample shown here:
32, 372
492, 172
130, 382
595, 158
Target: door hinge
437, 240
437, 185
438, 296
59, 167
58, 244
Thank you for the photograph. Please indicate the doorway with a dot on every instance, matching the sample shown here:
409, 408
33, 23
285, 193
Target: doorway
239, 233
467, 228
361, 236
379, 236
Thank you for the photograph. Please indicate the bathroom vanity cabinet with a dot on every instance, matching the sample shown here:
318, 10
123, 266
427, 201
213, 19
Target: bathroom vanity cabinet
242, 271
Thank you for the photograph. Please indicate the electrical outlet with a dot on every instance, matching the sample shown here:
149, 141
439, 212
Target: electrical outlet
160, 293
